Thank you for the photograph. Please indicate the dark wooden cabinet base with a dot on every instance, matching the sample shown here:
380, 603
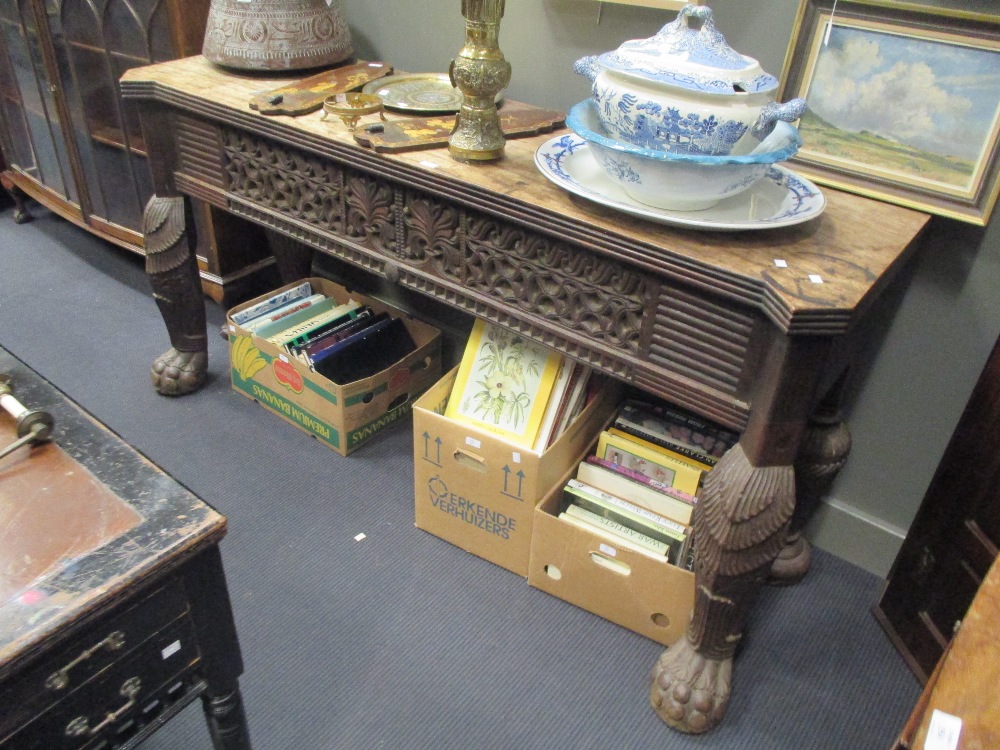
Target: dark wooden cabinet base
127, 620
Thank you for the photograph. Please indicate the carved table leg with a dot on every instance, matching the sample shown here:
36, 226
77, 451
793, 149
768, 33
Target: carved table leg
173, 274
823, 453
740, 524
21, 215
227, 723
741, 518
293, 258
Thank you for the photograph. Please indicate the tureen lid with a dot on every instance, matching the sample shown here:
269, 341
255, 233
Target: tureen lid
690, 52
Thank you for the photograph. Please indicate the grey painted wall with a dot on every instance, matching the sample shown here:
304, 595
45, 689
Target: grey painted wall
931, 335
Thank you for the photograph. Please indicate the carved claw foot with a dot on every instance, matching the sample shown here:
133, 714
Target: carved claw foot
690, 692
177, 373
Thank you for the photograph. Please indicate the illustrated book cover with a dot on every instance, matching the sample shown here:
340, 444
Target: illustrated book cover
503, 384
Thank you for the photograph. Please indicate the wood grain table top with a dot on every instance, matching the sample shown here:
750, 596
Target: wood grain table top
853, 247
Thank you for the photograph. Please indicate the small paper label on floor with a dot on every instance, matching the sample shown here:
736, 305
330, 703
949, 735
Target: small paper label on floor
943, 732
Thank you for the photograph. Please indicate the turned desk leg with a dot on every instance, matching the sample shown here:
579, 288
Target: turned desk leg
227, 723
173, 275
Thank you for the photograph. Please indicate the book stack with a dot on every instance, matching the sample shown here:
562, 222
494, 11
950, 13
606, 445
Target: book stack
517, 389
639, 488
343, 342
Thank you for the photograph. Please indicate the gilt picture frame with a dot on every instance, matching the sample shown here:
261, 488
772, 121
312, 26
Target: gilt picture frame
903, 103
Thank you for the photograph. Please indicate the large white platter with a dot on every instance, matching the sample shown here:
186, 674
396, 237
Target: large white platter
781, 199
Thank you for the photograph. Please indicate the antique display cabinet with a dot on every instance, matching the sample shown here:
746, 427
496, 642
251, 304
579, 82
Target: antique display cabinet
70, 142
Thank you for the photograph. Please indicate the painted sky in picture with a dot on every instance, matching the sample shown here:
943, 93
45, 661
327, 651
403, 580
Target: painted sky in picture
935, 96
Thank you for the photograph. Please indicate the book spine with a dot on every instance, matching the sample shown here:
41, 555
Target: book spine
627, 510
665, 442
628, 514
638, 476
272, 303
619, 529
609, 536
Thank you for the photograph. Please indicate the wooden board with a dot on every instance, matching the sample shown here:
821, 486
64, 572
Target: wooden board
307, 95
414, 133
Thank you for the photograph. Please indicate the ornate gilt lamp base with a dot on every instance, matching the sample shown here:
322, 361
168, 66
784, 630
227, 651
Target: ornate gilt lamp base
480, 72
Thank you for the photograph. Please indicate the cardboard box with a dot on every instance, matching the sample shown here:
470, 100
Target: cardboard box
641, 592
477, 490
341, 416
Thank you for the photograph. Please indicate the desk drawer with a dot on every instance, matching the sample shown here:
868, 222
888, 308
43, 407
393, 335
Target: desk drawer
99, 645
118, 701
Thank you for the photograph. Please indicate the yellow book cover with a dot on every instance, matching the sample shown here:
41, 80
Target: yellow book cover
652, 463
699, 465
503, 384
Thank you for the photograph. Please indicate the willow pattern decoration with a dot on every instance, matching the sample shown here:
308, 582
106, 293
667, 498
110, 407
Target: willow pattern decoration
903, 103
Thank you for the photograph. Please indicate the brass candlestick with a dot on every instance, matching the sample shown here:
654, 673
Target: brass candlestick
480, 72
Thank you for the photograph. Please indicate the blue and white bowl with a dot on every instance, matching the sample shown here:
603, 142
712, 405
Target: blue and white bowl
686, 90
679, 182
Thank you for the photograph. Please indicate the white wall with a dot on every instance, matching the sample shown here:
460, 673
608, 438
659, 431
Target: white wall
932, 334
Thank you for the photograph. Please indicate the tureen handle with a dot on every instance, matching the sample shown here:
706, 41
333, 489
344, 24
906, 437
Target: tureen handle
696, 17
587, 66
790, 111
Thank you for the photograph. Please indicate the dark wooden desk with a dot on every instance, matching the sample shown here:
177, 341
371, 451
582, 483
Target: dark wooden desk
706, 320
114, 612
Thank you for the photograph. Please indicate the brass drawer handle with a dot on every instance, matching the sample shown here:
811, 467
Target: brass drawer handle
60, 680
80, 726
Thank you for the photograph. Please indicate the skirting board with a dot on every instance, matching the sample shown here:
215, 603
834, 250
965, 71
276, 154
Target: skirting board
855, 536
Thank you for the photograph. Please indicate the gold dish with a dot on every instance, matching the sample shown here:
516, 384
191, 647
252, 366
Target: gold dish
351, 107
418, 93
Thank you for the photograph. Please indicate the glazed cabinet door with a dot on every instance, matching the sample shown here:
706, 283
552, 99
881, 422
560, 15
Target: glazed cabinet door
34, 137
95, 42
66, 124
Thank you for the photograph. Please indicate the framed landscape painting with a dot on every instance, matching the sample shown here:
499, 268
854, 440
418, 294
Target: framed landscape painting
903, 103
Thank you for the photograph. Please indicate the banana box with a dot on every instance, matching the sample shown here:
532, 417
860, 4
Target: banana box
269, 336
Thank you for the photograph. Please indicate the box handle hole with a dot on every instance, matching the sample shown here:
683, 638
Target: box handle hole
553, 572
464, 458
615, 566
367, 398
398, 401
660, 620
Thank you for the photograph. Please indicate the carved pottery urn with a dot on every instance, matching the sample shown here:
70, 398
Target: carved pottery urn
276, 34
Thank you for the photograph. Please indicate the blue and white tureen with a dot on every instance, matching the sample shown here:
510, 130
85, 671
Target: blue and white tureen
686, 90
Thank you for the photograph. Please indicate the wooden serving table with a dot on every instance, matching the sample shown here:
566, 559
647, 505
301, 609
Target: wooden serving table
114, 612
744, 328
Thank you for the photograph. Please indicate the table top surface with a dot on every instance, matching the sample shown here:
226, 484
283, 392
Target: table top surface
84, 519
852, 248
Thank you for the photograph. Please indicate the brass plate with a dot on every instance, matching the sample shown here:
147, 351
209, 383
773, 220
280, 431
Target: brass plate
418, 93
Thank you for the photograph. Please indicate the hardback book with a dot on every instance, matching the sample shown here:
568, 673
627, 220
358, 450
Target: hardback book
575, 402
274, 329
682, 430
614, 532
283, 312
272, 303
558, 403
349, 337
604, 504
503, 384
342, 329
624, 483
699, 465
300, 332
654, 463
368, 352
